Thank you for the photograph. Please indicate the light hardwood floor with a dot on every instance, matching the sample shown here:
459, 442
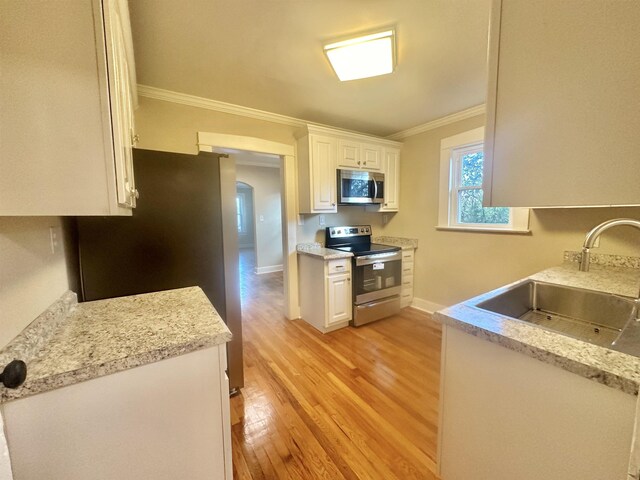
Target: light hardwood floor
358, 403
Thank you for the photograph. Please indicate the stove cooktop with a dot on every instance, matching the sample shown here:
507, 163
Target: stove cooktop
360, 249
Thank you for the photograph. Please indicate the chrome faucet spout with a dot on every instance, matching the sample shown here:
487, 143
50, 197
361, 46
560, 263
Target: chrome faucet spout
593, 235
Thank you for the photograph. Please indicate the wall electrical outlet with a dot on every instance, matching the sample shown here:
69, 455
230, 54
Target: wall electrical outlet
262, 218
321, 220
385, 219
54, 241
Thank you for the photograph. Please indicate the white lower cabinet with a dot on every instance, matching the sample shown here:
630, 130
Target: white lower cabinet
406, 294
165, 420
505, 416
325, 292
339, 306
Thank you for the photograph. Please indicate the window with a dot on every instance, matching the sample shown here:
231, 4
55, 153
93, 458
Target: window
461, 163
241, 213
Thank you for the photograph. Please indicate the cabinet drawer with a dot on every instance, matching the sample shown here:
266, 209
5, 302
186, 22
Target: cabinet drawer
407, 281
405, 300
407, 268
407, 256
340, 265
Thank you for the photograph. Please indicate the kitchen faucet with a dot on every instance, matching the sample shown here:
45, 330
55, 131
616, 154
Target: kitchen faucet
593, 235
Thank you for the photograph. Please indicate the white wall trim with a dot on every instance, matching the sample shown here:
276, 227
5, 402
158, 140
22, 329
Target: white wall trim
222, 143
215, 142
439, 122
268, 269
426, 305
256, 164
230, 108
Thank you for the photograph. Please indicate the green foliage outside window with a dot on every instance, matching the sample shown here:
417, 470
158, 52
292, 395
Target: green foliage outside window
470, 209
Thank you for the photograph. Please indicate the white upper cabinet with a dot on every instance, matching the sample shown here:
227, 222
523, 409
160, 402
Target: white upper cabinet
321, 151
317, 179
562, 109
391, 169
67, 91
357, 155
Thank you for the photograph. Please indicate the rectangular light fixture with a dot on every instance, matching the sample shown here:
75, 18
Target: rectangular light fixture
362, 57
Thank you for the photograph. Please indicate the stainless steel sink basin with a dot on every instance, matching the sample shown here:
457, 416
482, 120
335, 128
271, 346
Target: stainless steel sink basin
594, 317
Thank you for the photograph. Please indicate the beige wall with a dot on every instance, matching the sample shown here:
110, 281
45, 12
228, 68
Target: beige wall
172, 127
452, 266
267, 203
31, 277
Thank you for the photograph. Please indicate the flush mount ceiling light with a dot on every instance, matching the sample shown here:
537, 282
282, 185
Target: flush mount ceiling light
362, 57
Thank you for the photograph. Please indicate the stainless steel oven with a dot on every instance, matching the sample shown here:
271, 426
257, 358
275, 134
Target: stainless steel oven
360, 187
376, 272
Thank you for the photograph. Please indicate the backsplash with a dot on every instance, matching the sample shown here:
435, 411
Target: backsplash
604, 259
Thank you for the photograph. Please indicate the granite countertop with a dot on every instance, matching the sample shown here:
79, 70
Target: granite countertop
616, 280
609, 367
402, 242
317, 250
107, 336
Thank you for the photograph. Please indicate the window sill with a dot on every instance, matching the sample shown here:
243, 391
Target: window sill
484, 230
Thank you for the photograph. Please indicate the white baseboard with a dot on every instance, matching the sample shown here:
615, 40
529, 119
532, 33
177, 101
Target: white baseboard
269, 269
426, 305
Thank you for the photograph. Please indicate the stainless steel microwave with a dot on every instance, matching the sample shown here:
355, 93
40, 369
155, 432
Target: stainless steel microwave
357, 187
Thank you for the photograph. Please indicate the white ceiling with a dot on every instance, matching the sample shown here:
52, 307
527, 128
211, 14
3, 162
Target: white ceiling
267, 55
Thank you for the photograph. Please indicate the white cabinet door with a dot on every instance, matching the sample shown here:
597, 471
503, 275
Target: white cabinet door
562, 108
358, 155
348, 154
371, 156
338, 291
323, 168
391, 180
64, 116
122, 120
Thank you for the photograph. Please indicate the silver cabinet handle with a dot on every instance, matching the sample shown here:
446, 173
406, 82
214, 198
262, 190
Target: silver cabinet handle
333, 204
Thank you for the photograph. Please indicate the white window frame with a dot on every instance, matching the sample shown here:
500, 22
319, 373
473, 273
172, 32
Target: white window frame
451, 150
241, 213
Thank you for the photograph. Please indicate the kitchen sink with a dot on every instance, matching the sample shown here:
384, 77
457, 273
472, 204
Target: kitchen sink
594, 317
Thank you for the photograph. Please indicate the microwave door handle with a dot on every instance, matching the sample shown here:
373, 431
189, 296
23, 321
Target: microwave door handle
375, 189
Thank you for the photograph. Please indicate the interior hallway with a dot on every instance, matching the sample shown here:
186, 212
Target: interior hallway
352, 404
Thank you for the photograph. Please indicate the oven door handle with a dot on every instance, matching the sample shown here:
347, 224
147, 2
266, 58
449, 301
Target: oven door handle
378, 257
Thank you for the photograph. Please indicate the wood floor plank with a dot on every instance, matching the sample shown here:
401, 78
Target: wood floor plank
354, 404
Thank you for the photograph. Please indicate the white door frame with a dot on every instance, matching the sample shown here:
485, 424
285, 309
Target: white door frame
221, 143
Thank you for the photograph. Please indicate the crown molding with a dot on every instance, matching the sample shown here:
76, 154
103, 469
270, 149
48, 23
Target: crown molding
201, 102
440, 122
223, 107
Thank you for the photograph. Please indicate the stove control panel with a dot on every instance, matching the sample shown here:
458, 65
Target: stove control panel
349, 231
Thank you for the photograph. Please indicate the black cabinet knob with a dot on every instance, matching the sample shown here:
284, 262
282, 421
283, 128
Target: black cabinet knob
14, 374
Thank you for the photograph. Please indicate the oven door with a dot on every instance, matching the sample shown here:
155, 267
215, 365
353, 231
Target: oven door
360, 187
377, 276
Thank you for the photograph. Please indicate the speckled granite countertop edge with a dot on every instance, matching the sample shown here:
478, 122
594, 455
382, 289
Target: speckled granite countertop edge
91, 372
29, 342
86, 342
318, 251
402, 242
608, 367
